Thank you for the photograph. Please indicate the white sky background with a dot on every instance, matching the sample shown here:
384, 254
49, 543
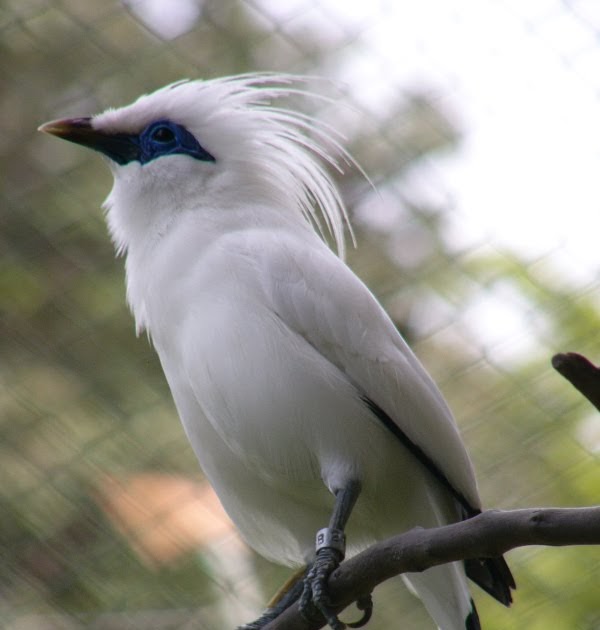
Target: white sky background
523, 79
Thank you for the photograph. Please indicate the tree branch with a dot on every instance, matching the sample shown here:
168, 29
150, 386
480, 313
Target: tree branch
489, 534
581, 373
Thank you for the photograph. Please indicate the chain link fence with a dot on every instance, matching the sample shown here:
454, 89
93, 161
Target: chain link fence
478, 124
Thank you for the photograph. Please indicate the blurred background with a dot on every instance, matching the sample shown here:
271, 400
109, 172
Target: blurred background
478, 124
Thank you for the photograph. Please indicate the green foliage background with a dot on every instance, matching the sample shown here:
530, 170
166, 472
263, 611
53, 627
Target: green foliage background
82, 396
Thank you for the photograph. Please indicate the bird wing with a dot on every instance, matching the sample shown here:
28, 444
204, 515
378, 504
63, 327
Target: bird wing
317, 296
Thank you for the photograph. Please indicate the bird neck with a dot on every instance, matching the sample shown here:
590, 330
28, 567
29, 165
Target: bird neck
155, 264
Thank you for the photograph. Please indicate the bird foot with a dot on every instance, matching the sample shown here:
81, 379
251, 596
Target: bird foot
315, 594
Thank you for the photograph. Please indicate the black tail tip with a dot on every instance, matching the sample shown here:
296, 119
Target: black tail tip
472, 622
493, 576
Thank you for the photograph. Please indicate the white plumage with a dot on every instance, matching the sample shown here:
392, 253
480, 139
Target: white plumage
282, 364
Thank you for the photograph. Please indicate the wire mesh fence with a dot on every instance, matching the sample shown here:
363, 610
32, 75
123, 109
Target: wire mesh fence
477, 124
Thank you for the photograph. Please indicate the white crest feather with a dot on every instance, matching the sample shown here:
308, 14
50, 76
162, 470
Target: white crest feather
279, 143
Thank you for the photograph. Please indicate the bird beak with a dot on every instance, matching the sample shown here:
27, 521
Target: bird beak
74, 129
119, 147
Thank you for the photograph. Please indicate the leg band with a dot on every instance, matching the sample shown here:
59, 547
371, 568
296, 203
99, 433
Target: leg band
329, 538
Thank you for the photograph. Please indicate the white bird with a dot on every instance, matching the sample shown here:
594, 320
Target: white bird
305, 407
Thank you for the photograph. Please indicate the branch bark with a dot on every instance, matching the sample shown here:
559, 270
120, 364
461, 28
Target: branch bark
489, 534
581, 373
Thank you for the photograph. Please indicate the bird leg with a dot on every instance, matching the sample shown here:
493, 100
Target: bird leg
310, 585
330, 551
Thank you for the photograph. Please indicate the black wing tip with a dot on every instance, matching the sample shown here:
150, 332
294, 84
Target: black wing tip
493, 576
420, 455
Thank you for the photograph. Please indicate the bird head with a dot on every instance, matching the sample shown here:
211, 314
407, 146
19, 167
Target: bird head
212, 146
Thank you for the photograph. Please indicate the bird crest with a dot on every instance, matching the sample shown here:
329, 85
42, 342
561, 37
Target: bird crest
239, 119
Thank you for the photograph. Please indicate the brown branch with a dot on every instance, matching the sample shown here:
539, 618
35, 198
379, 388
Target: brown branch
581, 373
490, 534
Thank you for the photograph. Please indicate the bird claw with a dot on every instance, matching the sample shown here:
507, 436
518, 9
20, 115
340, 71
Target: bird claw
315, 594
364, 603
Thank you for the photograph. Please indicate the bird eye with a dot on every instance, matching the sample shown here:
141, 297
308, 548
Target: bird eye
163, 135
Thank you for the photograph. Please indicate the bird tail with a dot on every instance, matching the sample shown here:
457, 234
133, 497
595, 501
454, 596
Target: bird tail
493, 576
445, 595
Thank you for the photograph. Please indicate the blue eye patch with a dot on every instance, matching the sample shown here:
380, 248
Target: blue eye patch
158, 139
164, 137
